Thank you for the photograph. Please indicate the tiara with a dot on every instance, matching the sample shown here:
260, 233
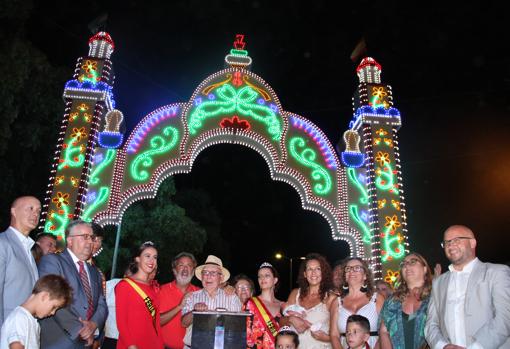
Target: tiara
148, 243
266, 265
286, 328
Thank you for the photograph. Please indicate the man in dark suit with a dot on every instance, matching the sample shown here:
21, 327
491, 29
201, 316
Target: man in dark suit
18, 272
76, 325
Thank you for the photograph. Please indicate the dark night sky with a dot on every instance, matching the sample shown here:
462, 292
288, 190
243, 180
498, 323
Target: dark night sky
447, 66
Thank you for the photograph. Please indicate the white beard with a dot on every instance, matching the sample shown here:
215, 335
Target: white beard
183, 280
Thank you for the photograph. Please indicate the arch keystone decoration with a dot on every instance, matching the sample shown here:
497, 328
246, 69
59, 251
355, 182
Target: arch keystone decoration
97, 173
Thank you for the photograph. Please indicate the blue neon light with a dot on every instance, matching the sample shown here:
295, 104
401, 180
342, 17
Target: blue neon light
149, 122
318, 138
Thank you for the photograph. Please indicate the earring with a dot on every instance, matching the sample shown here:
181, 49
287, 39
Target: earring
364, 288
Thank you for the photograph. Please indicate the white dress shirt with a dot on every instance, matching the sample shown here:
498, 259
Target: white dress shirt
27, 243
85, 265
110, 327
455, 304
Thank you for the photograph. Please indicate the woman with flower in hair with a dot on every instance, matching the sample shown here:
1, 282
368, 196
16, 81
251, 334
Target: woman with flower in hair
137, 303
308, 306
358, 297
263, 328
403, 317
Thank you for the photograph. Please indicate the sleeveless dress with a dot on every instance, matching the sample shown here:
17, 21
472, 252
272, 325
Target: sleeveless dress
369, 311
316, 314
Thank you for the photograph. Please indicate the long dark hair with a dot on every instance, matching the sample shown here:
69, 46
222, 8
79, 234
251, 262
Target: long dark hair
133, 266
369, 281
326, 279
403, 290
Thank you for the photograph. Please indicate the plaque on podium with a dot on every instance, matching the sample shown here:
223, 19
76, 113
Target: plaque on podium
219, 330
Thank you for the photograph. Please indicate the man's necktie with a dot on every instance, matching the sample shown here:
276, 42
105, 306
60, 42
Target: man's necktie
86, 287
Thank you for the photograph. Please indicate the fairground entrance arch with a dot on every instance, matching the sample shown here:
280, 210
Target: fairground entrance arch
97, 174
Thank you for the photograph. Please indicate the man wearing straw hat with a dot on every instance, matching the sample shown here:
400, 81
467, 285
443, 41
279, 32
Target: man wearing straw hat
211, 297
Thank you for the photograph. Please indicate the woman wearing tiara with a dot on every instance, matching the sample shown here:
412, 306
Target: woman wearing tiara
263, 328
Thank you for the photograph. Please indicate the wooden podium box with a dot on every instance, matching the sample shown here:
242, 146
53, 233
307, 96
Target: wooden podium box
219, 330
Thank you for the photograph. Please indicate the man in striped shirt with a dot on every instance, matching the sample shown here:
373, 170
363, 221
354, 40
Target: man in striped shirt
211, 297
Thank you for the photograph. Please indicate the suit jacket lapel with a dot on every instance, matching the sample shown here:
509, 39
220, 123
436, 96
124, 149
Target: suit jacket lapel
69, 260
443, 289
477, 275
92, 275
93, 280
20, 252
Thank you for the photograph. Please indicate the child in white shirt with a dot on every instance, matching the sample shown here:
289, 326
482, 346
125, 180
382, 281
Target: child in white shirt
20, 329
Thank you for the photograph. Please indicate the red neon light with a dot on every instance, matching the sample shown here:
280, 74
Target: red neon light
239, 42
235, 123
104, 36
368, 61
236, 81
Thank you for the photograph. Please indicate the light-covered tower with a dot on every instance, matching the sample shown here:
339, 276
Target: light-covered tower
376, 196
88, 97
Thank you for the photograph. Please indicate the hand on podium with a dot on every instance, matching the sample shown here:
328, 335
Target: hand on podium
200, 307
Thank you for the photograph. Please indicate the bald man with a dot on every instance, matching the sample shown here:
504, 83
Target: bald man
470, 304
18, 271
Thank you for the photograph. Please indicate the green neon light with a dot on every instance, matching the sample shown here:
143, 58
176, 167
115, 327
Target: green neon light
57, 222
351, 174
391, 237
159, 145
91, 76
367, 236
306, 158
72, 155
109, 156
101, 199
230, 100
375, 99
238, 52
385, 179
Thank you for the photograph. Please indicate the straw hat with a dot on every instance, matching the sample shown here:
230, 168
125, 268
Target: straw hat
212, 260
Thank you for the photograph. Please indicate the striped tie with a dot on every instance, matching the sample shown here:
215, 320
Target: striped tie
88, 291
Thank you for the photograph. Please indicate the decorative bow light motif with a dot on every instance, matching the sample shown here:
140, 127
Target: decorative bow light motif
230, 100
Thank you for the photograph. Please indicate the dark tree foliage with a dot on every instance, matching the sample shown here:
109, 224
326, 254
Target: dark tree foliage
31, 108
161, 221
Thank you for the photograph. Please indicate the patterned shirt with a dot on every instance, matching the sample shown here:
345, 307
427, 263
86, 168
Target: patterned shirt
221, 300
391, 314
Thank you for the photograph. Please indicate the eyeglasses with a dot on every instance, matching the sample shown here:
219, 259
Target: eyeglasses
210, 273
454, 241
354, 269
86, 237
409, 262
243, 288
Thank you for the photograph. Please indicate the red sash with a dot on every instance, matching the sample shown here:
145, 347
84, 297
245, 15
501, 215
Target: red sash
270, 324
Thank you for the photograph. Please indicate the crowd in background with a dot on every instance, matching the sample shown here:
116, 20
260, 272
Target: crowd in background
468, 306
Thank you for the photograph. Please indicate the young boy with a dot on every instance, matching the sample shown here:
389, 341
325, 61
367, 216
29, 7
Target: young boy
21, 330
357, 332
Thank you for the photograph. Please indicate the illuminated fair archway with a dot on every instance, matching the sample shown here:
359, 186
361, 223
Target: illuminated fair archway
98, 174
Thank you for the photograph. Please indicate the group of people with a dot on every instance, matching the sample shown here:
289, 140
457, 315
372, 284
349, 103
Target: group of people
341, 307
